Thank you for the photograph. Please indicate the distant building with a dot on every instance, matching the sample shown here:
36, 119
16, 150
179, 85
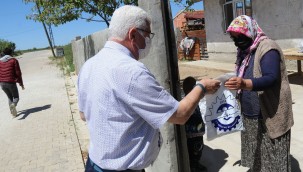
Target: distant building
190, 25
190, 20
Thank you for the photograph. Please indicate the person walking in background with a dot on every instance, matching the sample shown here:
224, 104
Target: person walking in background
10, 74
195, 129
265, 96
123, 104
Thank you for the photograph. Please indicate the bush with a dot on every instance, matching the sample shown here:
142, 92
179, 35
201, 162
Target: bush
7, 44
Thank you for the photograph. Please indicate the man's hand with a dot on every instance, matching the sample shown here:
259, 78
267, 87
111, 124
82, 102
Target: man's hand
22, 87
189, 103
211, 85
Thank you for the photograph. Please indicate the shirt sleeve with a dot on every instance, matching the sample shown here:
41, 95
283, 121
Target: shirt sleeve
150, 100
18, 73
270, 68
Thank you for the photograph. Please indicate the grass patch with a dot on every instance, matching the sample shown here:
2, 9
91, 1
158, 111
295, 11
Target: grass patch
68, 56
59, 61
65, 62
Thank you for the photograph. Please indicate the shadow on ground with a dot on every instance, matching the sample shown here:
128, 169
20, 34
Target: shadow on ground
27, 112
213, 159
295, 167
295, 78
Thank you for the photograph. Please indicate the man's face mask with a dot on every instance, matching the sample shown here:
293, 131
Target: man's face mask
144, 52
243, 42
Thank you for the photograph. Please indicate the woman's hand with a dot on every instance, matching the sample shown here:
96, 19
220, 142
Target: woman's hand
235, 83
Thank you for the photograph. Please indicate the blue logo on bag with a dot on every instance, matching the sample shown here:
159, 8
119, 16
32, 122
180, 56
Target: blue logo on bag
225, 127
225, 113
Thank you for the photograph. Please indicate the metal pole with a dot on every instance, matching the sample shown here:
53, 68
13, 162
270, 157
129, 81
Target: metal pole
171, 49
48, 38
50, 31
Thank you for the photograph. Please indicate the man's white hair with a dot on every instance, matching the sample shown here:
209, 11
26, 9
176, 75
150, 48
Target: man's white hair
125, 18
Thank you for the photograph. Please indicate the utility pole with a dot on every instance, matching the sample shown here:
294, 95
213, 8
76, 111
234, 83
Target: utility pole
48, 38
170, 44
51, 36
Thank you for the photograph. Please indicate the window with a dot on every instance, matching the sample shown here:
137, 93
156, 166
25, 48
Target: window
235, 8
248, 9
239, 6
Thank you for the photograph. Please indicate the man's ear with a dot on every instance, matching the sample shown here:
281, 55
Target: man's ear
132, 33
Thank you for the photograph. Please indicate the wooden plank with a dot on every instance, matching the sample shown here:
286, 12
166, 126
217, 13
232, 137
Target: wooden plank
293, 54
292, 57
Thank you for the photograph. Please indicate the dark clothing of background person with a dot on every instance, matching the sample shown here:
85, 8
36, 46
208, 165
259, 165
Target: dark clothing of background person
195, 129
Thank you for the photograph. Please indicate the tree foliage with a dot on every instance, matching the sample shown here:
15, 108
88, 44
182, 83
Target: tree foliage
59, 12
186, 3
6, 44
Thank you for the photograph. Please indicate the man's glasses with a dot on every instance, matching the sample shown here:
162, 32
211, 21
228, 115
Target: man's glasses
151, 35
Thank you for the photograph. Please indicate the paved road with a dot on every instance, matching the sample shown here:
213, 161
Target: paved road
42, 137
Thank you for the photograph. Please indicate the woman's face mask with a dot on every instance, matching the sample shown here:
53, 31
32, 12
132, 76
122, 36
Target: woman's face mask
243, 42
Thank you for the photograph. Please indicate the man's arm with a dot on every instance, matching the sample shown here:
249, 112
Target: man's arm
189, 103
19, 74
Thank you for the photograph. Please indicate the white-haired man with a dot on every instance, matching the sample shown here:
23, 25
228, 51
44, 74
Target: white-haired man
122, 102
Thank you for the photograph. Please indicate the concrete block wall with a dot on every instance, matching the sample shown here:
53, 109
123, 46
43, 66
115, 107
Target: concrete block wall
87, 47
281, 20
214, 24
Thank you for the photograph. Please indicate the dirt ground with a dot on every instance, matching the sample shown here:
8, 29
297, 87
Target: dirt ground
197, 72
200, 72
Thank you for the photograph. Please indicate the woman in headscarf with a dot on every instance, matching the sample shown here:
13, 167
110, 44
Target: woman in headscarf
265, 97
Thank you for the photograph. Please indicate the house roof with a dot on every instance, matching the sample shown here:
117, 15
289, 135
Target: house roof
194, 14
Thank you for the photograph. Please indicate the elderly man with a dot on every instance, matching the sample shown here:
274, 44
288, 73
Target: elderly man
122, 102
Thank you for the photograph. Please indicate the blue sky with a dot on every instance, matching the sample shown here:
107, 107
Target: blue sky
28, 34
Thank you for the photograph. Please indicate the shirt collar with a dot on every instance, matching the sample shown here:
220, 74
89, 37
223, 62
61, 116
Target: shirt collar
119, 47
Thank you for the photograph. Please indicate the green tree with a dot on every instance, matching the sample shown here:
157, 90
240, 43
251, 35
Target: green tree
6, 44
59, 12
186, 3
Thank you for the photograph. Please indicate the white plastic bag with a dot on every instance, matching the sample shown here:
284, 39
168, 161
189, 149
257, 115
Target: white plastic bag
221, 111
